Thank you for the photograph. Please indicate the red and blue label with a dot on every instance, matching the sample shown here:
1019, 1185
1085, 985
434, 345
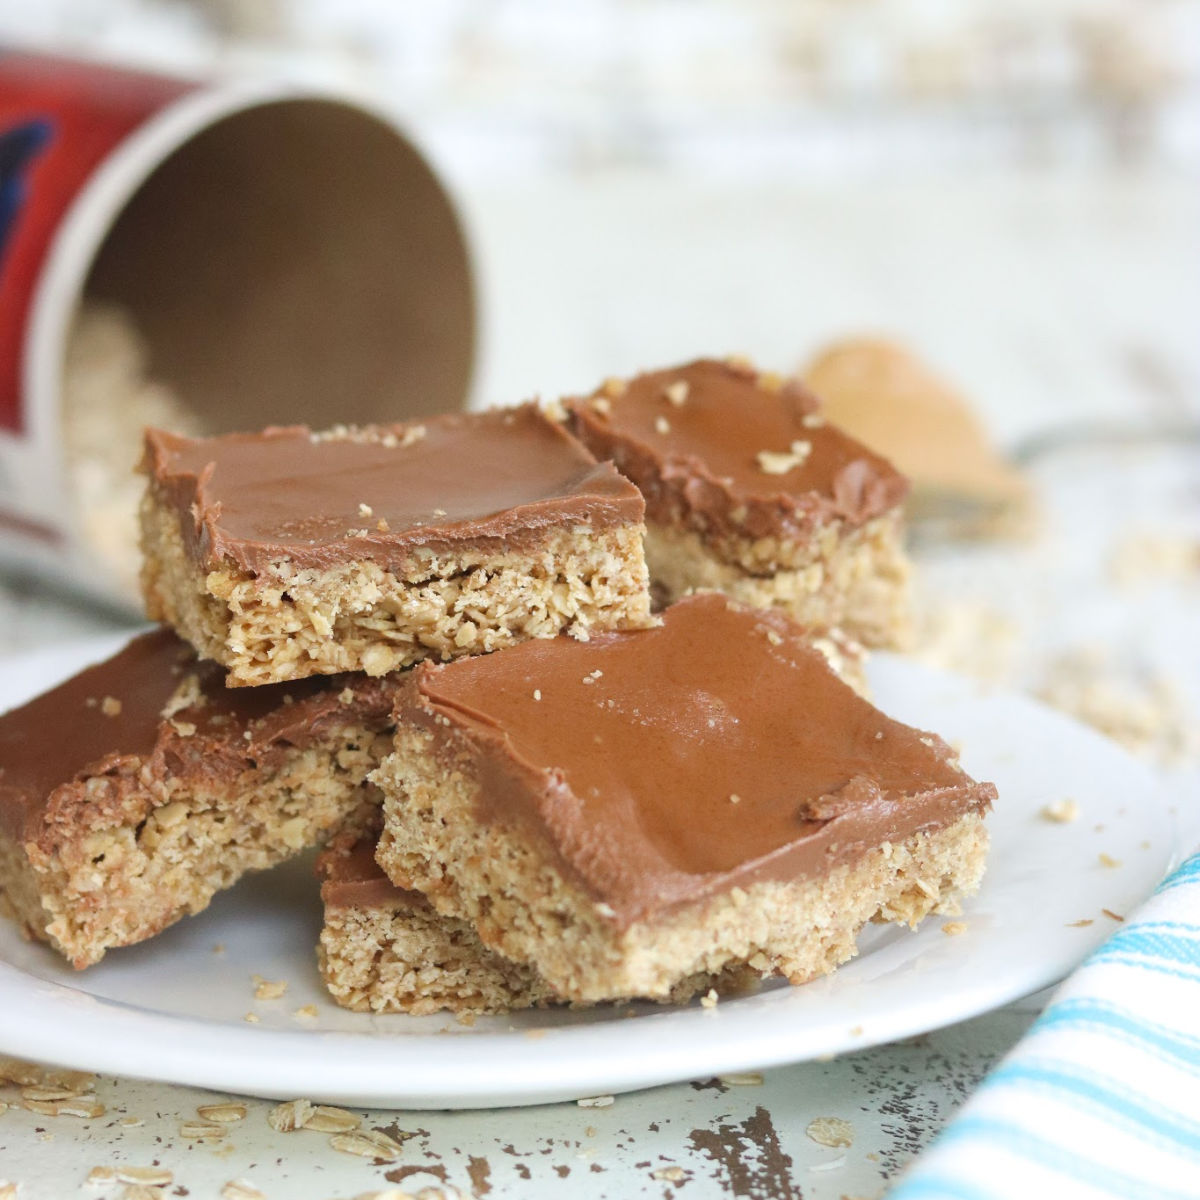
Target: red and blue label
59, 120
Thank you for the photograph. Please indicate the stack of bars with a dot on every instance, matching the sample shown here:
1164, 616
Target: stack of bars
431, 648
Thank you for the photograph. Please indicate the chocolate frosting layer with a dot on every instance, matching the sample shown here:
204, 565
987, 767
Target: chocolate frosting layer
667, 764
377, 493
352, 879
153, 707
690, 438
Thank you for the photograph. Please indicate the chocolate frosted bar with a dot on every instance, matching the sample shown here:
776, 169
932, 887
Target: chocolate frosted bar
289, 553
750, 492
653, 810
132, 793
386, 949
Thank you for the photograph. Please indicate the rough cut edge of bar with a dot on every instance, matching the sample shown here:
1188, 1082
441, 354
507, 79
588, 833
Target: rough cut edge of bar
857, 580
294, 622
503, 881
401, 955
172, 844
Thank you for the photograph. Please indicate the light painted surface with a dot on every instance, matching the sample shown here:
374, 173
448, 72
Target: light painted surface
745, 1141
1046, 302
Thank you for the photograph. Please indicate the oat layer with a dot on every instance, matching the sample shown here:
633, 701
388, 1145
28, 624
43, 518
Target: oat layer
857, 580
167, 787
288, 622
168, 850
498, 878
400, 955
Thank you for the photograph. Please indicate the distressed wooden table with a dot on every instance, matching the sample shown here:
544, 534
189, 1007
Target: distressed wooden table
1052, 302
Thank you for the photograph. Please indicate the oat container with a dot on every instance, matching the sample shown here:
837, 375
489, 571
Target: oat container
205, 257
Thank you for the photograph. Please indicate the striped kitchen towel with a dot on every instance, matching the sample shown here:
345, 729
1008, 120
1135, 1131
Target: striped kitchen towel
1101, 1098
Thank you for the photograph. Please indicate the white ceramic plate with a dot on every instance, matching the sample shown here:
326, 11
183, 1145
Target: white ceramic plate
174, 1008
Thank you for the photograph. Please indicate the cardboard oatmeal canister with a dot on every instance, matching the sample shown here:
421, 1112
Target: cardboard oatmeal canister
285, 255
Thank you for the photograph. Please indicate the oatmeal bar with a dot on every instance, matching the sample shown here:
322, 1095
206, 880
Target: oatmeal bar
749, 491
669, 804
133, 792
288, 553
386, 949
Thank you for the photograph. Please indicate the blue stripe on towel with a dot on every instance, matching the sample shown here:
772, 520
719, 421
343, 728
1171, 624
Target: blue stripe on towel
1169, 947
1138, 1115
1157, 943
1069, 1065
1188, 873
1192, 974
939, 1185
1018, 1141
1126, 1026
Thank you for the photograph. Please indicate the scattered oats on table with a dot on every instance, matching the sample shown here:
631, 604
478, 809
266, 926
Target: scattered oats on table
241, 1189
831, 1131
367, 1143
290, 1115
149, 1176
669, 1174
325, 1118
223, 1113
202, 1131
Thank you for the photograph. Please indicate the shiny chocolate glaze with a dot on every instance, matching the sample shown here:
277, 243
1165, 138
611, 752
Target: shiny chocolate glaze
624, 755
499, 478
697, 461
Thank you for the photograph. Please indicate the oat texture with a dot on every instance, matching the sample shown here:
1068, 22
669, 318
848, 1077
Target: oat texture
502, 880
853, 579
291, 622
121, 858
402, 956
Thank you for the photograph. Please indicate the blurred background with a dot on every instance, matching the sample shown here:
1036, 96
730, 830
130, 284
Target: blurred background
648, 179
1004, 189
765, 88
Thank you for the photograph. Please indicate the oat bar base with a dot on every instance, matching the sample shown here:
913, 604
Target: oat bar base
402, 956
358, 616
406, 957
144, 854
521, 906
857, 580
